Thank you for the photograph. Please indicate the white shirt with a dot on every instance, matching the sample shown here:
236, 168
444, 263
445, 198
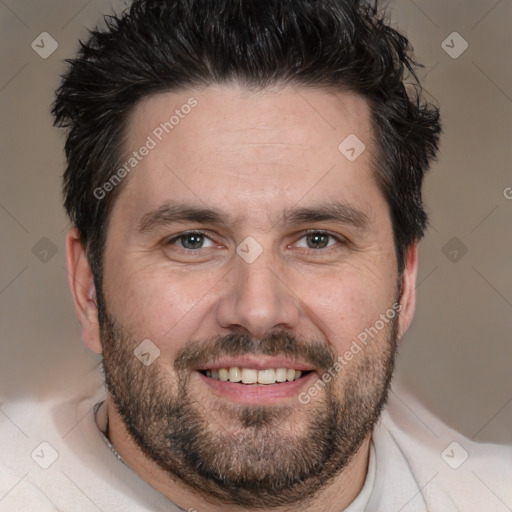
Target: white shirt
416, 464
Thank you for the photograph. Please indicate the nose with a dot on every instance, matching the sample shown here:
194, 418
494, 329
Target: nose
256, 299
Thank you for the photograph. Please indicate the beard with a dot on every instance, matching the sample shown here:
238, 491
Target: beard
252, 456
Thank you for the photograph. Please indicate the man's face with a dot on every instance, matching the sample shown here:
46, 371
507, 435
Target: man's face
244, 244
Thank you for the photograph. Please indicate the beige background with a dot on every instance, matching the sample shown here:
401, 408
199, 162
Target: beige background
457, 355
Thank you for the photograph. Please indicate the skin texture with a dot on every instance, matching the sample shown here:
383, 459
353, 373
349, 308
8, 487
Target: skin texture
254, 157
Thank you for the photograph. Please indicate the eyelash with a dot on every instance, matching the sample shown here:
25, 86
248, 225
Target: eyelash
175, 238
339, 239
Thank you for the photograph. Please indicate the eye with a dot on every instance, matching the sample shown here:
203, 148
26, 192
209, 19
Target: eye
317, 240
192, 241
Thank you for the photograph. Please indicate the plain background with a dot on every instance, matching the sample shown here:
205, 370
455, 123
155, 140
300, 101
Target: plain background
457, 355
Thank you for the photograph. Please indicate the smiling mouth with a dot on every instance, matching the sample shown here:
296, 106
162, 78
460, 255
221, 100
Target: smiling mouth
253, 376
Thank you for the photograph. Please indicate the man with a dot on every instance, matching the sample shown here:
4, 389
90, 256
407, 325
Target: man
244, 179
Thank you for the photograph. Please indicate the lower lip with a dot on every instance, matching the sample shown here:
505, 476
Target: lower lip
258, 394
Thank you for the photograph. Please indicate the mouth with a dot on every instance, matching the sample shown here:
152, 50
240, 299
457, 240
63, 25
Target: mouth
253, 376
256, 381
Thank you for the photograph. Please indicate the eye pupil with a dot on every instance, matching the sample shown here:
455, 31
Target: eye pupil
192, 241
317, 240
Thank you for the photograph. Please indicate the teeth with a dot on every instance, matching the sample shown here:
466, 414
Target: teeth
235, 375
266, 376
252, 376
281, 374
249, 376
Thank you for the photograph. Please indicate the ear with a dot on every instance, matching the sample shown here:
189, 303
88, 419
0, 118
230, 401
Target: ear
408, 297
81, 284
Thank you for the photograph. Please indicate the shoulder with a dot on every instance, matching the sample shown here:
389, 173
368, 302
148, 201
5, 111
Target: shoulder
446, 464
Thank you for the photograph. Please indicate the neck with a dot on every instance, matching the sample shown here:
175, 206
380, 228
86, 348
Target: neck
342, 490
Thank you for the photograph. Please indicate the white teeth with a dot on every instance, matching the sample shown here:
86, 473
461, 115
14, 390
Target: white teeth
235, 375
252, 376
281, 375
266, 376
249, 376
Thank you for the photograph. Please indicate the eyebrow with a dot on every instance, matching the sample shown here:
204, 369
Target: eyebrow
175, 213
338, 212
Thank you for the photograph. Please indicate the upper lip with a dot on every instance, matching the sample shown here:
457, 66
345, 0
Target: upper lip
257, 362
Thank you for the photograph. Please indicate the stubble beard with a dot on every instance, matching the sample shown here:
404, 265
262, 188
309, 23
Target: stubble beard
261, 456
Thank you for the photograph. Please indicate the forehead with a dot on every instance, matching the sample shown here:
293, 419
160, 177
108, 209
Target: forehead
228, 147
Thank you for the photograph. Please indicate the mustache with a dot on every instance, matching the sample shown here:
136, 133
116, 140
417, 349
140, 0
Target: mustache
278, 343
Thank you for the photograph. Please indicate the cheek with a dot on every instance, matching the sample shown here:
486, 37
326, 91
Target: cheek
154, 303
345, 305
